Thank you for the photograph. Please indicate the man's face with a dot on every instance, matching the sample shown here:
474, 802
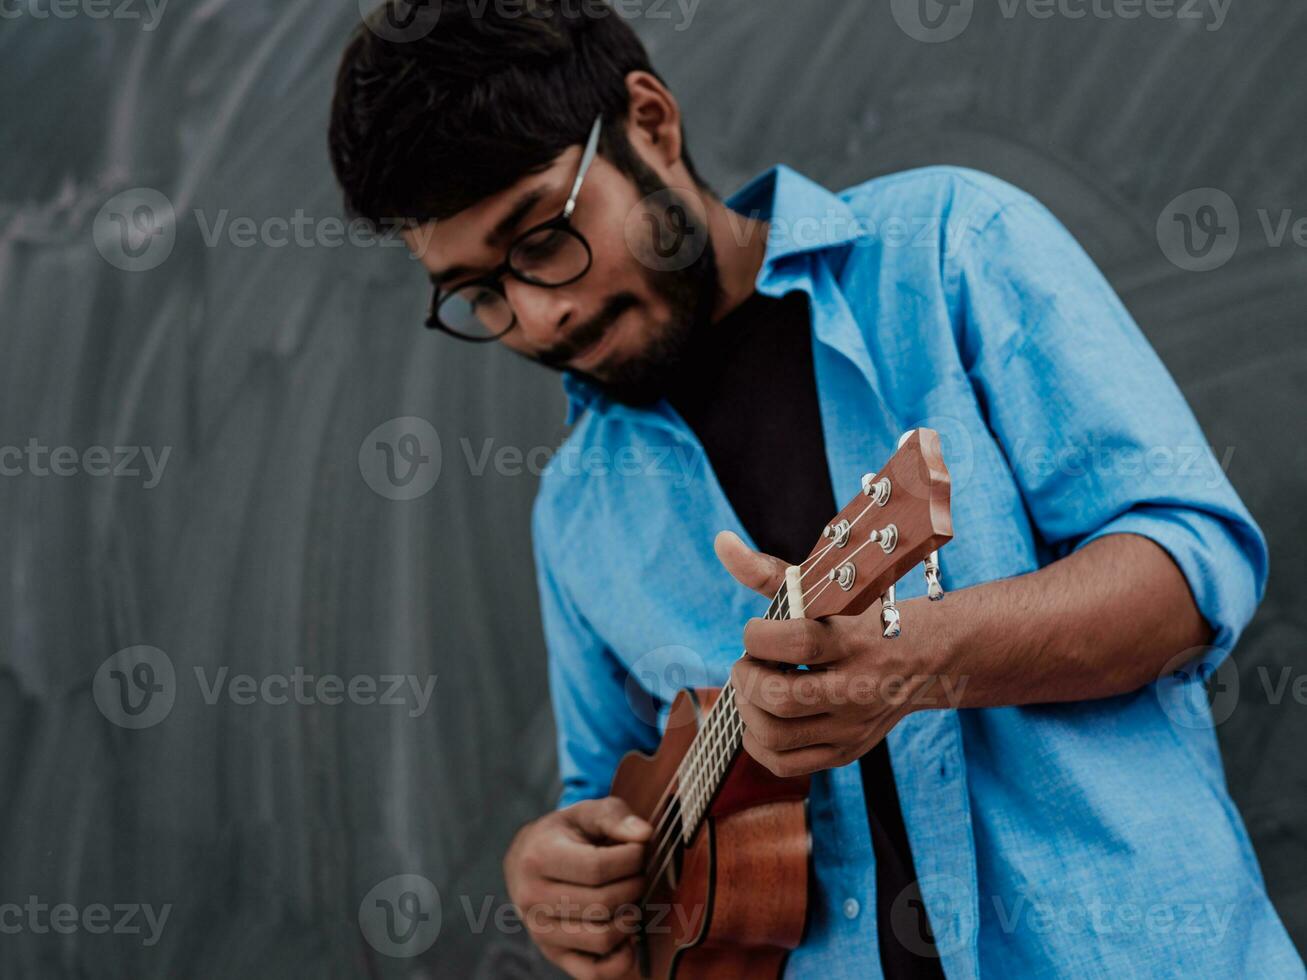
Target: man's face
626, 323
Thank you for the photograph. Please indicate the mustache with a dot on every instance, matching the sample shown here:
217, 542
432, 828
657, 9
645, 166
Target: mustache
588, 333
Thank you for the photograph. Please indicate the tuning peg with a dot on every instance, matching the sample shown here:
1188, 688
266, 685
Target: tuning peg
933, 589
877, 490
889, 614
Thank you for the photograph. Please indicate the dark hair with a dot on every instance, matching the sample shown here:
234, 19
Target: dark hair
488, 93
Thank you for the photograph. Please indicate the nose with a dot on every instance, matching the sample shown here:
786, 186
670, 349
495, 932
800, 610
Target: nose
543, 315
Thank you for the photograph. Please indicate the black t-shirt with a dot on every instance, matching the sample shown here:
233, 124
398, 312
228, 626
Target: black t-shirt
749, 393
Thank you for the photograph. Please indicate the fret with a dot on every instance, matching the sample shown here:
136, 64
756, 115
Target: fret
716, 745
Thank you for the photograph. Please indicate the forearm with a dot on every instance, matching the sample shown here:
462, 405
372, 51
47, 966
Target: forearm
1100, 622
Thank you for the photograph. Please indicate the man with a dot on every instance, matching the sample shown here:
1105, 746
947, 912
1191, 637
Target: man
1043, 782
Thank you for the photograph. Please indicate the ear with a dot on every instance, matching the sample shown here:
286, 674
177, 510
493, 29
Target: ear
653, 120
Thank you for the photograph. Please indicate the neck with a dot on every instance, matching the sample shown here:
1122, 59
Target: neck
740, 244
713, 749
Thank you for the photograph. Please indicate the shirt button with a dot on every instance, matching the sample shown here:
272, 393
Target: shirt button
851, 908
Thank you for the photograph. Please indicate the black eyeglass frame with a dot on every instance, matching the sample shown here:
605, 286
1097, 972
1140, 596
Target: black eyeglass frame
493, 280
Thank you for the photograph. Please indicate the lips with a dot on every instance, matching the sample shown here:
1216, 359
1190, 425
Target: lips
588, 357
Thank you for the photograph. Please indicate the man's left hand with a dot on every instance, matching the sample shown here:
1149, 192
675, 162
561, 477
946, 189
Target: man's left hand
857, 685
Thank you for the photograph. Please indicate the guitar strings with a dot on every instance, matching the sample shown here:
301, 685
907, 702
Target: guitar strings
669, 829
670, 837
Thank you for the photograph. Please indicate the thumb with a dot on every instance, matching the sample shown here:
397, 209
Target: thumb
762, 573
609, 819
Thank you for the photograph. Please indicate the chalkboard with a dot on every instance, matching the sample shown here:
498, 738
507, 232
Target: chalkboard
197, 357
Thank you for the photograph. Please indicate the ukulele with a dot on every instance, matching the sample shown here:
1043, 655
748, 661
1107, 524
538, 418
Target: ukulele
727, 866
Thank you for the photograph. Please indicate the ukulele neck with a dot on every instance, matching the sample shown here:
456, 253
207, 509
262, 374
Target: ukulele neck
718, 742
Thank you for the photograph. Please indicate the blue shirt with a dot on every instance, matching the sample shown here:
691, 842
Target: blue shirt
1088, 839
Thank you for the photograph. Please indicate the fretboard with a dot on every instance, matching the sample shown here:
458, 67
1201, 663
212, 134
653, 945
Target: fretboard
714, 748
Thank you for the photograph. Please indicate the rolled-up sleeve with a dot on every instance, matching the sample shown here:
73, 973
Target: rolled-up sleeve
1097, 433
595, 725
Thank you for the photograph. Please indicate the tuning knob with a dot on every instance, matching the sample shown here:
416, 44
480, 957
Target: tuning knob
933, 589
889, 614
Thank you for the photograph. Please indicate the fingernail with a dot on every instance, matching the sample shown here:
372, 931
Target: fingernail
633, 825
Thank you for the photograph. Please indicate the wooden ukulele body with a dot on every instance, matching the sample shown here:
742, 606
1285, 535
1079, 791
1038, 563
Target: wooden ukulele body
736, 902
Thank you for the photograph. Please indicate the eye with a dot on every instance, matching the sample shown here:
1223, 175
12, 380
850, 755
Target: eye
479, 296
542, 246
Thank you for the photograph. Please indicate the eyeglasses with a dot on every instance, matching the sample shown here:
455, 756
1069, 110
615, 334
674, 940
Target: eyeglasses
550, 255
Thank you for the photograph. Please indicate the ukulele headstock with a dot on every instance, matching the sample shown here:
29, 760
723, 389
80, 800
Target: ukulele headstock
900, 518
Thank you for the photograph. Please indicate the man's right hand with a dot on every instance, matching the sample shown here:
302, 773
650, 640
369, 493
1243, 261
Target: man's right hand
576, 876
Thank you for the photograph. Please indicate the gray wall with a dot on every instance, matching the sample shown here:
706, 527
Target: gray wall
262, 370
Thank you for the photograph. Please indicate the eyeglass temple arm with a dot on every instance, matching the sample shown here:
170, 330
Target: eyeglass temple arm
587, 158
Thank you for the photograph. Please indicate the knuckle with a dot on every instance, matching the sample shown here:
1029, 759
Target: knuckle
591, 867
793, 738
528, 898
593, 940
782, 709
781, 768
617, 896
612, 808
531, 862
739, 681
806, 645
751, 633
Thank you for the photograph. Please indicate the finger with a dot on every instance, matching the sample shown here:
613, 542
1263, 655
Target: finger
564, 900
573, 861
785, 734
799, 762
609, 819
595, 938
582, 966
807, 642
781, 693
780, 735
762, 573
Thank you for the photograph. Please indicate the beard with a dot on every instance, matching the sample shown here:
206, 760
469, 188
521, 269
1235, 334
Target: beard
690, 294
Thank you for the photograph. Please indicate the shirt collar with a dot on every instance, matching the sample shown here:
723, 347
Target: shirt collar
804, 217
